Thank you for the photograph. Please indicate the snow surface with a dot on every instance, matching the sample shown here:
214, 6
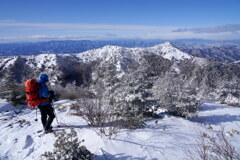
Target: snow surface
166, 138
237, 61
6, 62
46, 60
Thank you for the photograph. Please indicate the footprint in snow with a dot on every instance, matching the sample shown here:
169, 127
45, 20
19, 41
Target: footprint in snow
30, 151
15, 140
28, 141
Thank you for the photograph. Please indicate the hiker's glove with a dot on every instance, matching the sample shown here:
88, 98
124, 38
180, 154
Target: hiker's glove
52, 95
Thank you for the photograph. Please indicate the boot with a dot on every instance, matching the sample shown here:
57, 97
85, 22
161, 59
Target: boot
48, 130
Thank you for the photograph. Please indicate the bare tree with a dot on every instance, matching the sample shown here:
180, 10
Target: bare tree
213, 147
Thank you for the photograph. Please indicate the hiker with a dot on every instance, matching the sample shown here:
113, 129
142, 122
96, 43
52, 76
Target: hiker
46, 109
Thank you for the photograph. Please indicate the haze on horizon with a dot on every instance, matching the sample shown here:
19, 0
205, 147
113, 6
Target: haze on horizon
29, 20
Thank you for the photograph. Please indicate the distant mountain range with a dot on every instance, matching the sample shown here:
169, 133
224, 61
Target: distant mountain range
217, 50
220, 51
61, 47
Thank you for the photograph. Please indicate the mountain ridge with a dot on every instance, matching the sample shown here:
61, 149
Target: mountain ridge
216, 50
158, 67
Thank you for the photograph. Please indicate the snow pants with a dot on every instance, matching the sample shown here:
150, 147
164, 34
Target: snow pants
47, 115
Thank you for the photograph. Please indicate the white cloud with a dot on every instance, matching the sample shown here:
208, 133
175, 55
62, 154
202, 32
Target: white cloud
39, 37
80, 26
218, 29
75, 31
191, 35
48, 38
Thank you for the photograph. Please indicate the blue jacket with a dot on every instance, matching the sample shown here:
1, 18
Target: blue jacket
43, 89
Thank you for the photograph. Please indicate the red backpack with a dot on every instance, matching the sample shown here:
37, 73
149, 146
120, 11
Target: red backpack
31, 88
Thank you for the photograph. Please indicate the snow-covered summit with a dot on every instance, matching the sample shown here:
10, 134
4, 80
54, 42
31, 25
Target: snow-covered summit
106, 53
168, 51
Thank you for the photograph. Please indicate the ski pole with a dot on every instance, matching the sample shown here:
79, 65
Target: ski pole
55, 114
104, 154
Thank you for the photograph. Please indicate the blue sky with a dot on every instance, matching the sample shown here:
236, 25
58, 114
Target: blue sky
34, 20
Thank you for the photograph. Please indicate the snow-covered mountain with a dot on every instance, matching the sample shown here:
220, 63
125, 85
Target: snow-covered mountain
112, 64
21, 67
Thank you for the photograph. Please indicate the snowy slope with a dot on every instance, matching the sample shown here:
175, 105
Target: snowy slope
42, 59
168, 51
34, 61
237, 61
167, 139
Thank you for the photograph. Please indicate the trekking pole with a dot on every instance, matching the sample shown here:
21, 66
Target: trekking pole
36, 115
104, 154
55, 114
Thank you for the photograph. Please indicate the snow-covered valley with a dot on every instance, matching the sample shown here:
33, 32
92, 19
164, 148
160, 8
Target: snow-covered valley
167, 138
